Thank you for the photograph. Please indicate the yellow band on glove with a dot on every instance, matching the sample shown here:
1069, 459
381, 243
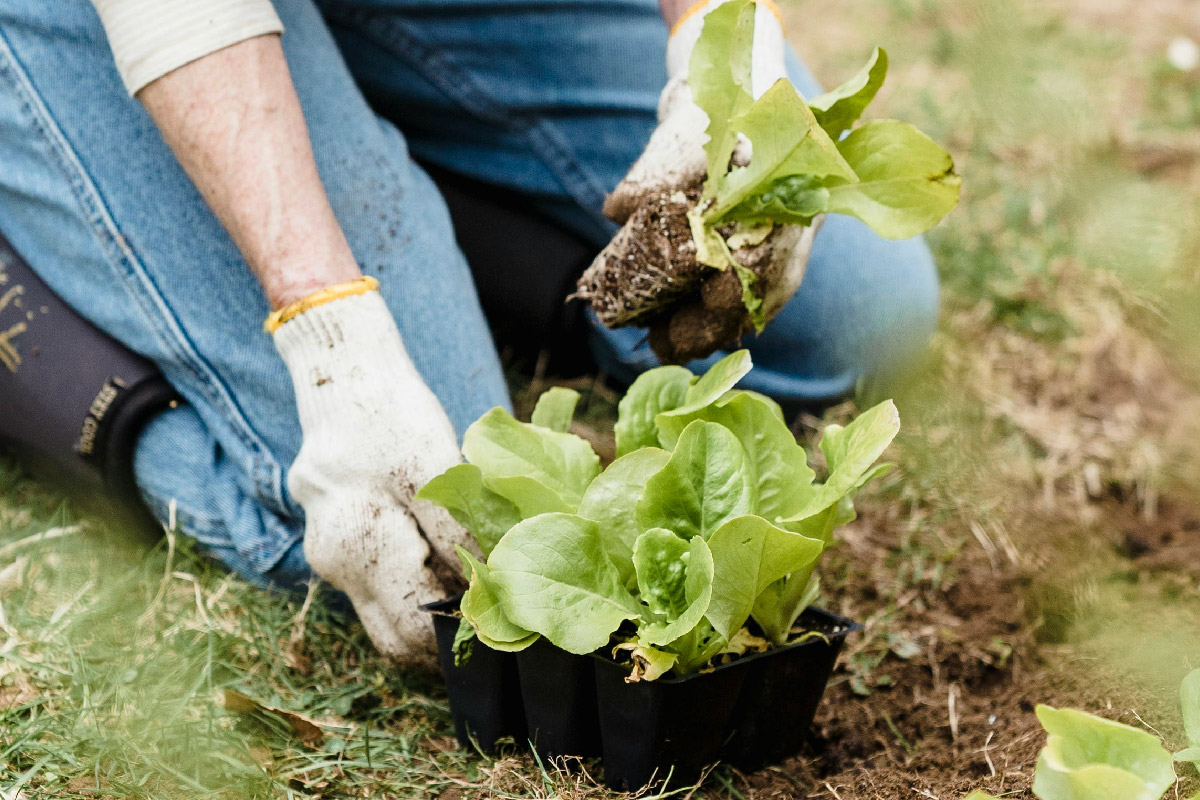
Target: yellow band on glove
319, 298
695, 9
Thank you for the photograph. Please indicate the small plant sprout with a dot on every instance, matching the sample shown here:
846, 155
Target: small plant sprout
1091, 758
1189, 696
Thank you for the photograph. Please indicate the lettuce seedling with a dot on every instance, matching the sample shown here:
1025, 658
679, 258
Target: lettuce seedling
709, 517
1091, 758
1189, 698
778, 160
803, 163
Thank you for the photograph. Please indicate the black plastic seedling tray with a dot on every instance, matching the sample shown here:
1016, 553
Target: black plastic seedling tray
559, 690
485, 693
782, 691
751, 712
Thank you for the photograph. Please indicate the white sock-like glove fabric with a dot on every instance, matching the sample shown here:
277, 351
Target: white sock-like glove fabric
674, 156
374, 434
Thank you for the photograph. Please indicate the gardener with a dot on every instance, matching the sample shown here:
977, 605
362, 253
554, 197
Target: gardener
248, 179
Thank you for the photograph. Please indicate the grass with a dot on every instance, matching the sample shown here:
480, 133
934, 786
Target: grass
1053, 393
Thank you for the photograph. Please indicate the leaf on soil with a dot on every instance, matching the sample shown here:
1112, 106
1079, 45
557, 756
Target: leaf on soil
307, 731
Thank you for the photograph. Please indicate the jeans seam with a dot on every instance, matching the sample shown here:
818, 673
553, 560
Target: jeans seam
127, 267
457, 83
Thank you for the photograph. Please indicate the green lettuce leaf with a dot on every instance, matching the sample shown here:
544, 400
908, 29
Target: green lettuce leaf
704, 484
906, 182
502, 447
749, 554
481, 608
719, 77
850, 453
791, 200
611, 501
460, 490
555, 409
531, 497
777, 465
704, 391
1090, 758
464, 643
781, 604
786, 141
675, 581
1189, 697
654, 392
886, 173
837, 111
552, 576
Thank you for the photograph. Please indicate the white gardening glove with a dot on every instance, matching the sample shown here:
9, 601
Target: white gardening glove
373, 435
674, 161
674, 157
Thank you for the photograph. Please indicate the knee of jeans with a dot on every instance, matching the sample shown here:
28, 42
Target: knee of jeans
867, 307
889, 323
183, 473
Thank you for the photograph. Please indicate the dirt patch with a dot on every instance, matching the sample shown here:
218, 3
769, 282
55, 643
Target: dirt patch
1170, 542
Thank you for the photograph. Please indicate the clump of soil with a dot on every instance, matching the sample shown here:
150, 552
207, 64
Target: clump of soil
648, 266
649, 276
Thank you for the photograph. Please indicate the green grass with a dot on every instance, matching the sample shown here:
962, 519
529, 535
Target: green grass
115, 653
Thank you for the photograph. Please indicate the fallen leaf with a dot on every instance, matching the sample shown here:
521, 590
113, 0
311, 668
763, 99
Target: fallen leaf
307, 731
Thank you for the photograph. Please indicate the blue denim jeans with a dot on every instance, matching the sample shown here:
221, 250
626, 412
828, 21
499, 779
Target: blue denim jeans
553, 99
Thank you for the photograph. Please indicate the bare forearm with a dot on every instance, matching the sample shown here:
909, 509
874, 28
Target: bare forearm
234, 122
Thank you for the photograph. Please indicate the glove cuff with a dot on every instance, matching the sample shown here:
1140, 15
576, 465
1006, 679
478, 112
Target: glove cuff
320, 297
339, 352
768, 49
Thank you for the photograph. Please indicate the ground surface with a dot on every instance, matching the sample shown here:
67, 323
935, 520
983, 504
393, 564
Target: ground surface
1040, 543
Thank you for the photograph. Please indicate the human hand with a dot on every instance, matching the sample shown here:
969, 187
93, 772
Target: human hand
374, 434
649, 274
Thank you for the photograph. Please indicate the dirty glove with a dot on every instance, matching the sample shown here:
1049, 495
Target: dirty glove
373, 435
648, 274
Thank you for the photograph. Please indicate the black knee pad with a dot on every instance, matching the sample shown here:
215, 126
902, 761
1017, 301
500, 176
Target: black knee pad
72, 399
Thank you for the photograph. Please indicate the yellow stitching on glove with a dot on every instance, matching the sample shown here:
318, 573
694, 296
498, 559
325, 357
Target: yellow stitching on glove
694, 9
319, 298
